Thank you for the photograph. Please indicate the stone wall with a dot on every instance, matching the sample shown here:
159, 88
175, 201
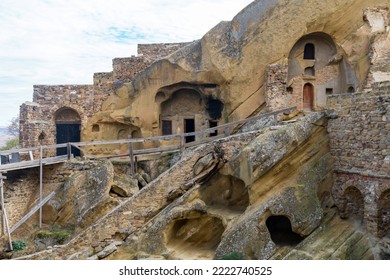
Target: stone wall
152, 52
360, 146
21, 188
38, 118
276, 94
126, 68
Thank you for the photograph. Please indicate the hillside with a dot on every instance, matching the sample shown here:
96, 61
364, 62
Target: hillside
4, 136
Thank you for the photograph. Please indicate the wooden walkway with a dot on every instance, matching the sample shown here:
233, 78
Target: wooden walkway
32, 163
201, 137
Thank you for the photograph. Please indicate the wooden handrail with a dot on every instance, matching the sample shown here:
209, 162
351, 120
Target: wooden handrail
222, 127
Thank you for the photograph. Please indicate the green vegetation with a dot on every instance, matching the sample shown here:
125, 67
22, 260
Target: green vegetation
12, 129
233, 256
59, 236
18, 245
10, 144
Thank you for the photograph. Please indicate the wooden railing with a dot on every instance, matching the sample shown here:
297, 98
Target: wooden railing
223, 131
201, 137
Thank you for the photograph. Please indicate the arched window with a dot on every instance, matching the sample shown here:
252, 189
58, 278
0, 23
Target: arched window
309, 51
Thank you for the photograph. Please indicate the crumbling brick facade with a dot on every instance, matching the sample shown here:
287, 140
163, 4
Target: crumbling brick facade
360, 147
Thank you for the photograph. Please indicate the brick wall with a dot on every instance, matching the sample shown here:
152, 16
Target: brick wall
37, 118
360, 146
126, 68
152, 52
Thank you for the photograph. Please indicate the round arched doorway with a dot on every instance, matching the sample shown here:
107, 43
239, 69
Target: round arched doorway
68, 123
308, 97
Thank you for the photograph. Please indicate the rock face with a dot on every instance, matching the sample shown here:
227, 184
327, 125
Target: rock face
277, 175
84, 197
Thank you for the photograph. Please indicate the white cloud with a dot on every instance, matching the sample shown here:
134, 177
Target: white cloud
66, 41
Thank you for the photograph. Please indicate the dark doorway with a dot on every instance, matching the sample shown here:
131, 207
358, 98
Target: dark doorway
68, 133
68, 123
211, 125
308, 97
281, 232
189, 126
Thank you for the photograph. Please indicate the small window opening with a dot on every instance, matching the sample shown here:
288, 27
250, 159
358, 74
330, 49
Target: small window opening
309, 51
281, 232
211, 125
166, 127
41, 136
351, 89
289, 90
95, 128
329, 91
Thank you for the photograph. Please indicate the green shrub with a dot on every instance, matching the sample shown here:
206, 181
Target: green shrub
57, 235
233, 256
18, 245
10, 144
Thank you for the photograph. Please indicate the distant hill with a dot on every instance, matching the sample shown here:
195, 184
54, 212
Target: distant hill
4, 136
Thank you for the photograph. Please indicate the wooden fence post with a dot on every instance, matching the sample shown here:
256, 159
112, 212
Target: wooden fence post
131, 155
40, 183
182, 143
4, 212
227, 131
69, 150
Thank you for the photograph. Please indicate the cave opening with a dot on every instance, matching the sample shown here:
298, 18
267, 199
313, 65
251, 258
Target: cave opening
196, 233
214, 108
281, 231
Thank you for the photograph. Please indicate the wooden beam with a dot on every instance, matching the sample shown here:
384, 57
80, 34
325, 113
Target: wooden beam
4, 212
131, 155
2, 203
33, 210
40, 183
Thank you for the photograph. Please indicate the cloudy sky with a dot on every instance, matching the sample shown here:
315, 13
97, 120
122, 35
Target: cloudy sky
66, 41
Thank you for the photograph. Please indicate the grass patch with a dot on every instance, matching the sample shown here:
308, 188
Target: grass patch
233, 256
59, 236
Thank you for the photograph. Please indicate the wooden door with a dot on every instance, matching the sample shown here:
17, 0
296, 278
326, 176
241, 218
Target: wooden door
308, 97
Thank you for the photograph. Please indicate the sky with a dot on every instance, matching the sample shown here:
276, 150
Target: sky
53, 42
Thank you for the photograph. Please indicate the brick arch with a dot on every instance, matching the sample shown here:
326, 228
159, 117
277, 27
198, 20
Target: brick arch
353, 203
57, 109
67, 115
384, 213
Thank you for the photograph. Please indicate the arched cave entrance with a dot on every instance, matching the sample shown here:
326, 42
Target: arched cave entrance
384, 214
68, 124
354, 203
225, 192
195, 234
308, 97
315, 58
281, 231
180, 112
